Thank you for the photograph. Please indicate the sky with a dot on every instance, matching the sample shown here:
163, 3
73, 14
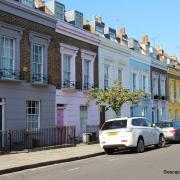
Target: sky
159, 19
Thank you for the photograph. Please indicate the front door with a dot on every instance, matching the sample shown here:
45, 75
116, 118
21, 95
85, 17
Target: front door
60, 117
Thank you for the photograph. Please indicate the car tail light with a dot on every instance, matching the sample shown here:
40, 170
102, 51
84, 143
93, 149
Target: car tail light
172, 131
125, 140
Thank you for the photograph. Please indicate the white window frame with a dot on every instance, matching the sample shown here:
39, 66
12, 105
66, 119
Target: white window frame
134, 82
69, 59
38, 76
71, 51
155, 88
59, 14
78, 20
6, 71
163, 87
28, 2
83, 116
106, 76
88, 56
120, 75
33, 114
99, 29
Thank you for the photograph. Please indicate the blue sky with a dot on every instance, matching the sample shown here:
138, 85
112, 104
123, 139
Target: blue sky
156, 18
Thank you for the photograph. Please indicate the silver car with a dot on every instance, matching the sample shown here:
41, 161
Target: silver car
171, 129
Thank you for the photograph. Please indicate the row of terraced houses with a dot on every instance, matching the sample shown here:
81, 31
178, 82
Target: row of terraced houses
50, 58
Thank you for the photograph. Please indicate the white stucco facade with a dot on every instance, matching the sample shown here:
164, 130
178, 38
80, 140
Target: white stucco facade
115, 57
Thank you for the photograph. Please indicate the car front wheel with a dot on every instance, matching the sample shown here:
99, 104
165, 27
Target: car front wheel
162, 142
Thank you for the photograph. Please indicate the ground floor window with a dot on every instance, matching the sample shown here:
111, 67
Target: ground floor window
83, 117
33, 114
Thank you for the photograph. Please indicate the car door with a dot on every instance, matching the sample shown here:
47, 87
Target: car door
146, 132
153, 133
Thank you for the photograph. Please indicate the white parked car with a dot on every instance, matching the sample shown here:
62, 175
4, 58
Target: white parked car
129, 132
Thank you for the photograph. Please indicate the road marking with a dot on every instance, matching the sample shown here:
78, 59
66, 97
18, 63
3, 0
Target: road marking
73, 169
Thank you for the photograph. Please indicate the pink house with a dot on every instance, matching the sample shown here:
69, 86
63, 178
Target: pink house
79, 73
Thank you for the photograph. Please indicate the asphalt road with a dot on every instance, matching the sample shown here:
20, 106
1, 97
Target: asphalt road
153, 164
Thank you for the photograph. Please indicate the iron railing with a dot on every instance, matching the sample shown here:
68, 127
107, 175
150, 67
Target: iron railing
71, 84
39, 78
87, 86
21, 139
10, 74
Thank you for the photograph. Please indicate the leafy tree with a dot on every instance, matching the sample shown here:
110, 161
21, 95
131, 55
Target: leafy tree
115, 96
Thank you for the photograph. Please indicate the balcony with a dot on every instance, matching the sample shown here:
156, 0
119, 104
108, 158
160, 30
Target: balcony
163, 97
88, 86
39, 79
10, 75
156, 96
69, 85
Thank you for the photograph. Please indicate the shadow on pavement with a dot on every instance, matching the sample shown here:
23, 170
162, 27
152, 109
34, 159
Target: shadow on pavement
147, 149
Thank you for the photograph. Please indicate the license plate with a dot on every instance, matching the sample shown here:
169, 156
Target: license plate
112, 133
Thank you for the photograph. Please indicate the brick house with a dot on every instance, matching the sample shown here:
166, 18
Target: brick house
75, 70
27, 55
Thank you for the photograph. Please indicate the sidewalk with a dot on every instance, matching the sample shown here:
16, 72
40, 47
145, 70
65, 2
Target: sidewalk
21, 161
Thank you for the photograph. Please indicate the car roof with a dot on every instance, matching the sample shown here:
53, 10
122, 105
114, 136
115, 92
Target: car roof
123, 118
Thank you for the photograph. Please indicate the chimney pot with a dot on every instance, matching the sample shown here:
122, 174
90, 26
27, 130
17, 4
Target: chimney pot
122, 31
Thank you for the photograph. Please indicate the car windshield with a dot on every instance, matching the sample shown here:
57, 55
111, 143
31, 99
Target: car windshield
176, 123
164, 124
117, 124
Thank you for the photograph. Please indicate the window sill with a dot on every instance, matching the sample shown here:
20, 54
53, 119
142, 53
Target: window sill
39, 84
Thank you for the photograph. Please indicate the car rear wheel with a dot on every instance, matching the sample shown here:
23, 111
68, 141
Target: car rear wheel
140, 146
162, 142
109, 151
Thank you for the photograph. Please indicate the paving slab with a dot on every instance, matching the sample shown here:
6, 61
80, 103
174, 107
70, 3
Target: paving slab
21, 161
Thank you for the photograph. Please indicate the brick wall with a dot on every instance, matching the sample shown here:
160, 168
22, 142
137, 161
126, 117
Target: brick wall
54, 59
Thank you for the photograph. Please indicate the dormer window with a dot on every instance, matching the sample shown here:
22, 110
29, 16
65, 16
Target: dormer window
79, 20
75, 18
28, 2
110, 33
112, 36
100, 29
57, 9
133, 44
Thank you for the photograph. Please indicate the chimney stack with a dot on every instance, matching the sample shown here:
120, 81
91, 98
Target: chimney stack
145, 40
122, 31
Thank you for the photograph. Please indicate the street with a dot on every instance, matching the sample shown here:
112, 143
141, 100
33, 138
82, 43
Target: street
123, 165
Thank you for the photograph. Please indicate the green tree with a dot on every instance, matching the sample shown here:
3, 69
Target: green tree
115, 96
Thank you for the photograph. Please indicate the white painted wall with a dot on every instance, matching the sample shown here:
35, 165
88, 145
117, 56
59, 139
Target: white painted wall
116, 56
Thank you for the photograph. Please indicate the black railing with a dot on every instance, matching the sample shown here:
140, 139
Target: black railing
71, 84
9, 74
39, 78
21, 139
87, 86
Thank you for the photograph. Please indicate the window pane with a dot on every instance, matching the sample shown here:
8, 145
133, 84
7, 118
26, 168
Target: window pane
32, 114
